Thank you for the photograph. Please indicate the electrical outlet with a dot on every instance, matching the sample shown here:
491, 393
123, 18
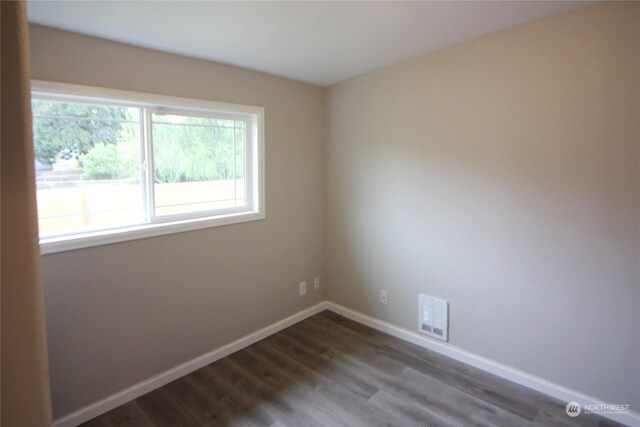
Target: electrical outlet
384, 297
303, 288
316, 283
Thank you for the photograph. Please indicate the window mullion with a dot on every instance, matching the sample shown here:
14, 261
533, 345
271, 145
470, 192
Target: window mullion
235, 172
148, 166
143, 163
249, 160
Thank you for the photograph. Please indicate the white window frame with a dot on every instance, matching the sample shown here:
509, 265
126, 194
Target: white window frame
164, 224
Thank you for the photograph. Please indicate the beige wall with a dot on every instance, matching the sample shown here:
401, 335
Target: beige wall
120, 313
503, 175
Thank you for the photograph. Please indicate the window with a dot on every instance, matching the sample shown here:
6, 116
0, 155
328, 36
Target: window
114, 165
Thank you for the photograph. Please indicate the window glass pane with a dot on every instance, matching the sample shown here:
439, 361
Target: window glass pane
198, 164
240, 165
193, 120
56, 109
87, 166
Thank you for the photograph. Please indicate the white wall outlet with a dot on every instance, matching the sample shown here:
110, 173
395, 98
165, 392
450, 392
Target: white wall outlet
303, 288
316, 283
434, 317
384, 297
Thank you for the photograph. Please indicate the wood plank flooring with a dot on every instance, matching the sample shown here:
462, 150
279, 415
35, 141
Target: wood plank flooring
330, 371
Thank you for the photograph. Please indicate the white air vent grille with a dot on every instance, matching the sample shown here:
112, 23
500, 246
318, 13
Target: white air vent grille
434, 317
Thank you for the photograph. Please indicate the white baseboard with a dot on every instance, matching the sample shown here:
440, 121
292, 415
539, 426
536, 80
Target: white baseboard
512, 374
108, 403
517, 376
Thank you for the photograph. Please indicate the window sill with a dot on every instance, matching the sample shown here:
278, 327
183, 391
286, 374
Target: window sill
99, 238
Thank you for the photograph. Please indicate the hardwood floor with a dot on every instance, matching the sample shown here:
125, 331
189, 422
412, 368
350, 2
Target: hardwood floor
330, 371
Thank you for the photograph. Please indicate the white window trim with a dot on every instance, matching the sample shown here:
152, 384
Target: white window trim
61, 91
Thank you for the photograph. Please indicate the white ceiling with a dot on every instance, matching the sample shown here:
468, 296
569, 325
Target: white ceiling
318, 42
